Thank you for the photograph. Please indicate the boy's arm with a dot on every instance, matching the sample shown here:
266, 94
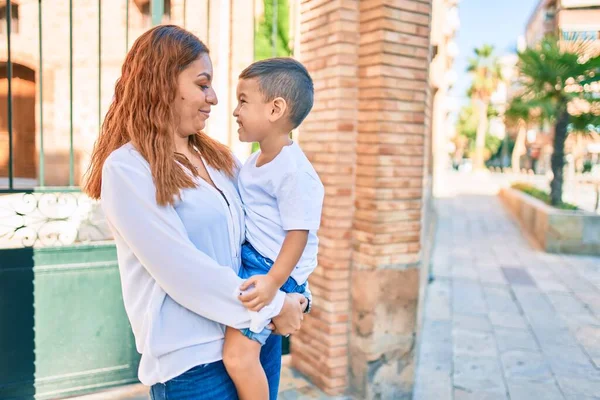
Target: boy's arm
266, 286
299, 200
291, 251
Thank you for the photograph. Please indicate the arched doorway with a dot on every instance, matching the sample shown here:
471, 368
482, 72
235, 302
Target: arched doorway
23, 120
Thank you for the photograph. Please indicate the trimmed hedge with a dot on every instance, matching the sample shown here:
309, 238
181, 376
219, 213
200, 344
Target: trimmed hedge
541, 195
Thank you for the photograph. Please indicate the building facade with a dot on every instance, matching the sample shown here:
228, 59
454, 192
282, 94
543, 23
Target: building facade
46, 83
570, 21
567, 19
444, 25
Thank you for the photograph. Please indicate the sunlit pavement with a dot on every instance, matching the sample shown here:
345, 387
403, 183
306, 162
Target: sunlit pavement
502, 319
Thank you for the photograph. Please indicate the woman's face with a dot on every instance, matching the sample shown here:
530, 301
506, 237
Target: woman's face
195, 96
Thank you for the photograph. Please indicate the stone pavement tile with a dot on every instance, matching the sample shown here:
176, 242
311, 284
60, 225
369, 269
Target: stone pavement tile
572, 280
306, 393
441, 270
438, 301
515, 339
533, 301
435, 350
579, 397
574, 321
479, 323
464, 272
539, 271
437, 360
434, 386
464, 394
437, 333
525, 365
474, 374
500, 300
591, 300
589, 337
492, 275
566, 303
530, 390
551, 285
518, 276
579, 388
486, 262
549, 335
508, 320
475, 343
291, 379
467, 298
570, 362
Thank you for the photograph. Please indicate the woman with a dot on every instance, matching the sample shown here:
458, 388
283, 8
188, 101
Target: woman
169, 195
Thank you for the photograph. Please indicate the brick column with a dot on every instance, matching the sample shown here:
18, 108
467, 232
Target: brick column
368, 138
329, 49
390, 175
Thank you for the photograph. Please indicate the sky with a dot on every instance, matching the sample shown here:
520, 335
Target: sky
498, 23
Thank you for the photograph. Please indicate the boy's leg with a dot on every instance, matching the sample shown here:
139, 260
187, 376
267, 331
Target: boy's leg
241, 357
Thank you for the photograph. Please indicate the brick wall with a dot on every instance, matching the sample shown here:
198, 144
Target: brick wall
329, 48
368, 138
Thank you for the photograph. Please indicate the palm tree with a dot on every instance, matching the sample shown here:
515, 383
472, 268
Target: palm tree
522, 112
486, 73
518, 114
552, 74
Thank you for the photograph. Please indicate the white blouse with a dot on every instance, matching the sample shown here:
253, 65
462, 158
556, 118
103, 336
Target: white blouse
178, 265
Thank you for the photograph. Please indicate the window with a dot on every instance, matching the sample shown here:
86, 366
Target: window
581, 35
14, 20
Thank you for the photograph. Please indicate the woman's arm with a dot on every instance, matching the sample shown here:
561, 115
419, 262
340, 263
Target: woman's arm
157, 237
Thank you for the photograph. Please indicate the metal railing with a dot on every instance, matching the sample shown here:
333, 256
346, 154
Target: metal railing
157, 11
27, 212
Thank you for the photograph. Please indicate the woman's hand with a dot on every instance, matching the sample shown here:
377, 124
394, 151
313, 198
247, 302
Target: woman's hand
290, 318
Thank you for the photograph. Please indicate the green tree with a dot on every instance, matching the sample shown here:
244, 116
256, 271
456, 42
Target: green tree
466, 127
520, 114
517, 114
486, 74
555, 74
269, 42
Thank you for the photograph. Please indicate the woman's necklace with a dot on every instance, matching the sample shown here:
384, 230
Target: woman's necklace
196, 167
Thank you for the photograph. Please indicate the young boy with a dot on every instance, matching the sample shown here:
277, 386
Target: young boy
282, 197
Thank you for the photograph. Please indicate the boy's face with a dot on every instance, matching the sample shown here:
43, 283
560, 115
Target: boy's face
252, 112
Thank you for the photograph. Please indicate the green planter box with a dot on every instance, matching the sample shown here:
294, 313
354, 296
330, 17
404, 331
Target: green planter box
63, 327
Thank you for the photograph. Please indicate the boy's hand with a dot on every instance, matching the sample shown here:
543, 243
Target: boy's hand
264, 291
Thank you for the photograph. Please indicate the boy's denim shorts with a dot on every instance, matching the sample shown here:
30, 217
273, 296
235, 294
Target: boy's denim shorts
253, 263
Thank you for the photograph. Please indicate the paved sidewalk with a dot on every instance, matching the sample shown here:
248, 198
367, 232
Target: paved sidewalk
503, 320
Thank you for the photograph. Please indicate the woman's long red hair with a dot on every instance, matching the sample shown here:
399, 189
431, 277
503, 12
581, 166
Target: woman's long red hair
142, 113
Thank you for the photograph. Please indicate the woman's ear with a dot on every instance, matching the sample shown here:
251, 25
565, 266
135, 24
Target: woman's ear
278, 109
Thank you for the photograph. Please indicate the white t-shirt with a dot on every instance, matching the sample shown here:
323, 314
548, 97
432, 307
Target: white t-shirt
282, 195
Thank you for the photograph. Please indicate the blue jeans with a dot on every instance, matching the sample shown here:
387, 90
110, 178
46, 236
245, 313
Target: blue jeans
211, 381
253, 263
